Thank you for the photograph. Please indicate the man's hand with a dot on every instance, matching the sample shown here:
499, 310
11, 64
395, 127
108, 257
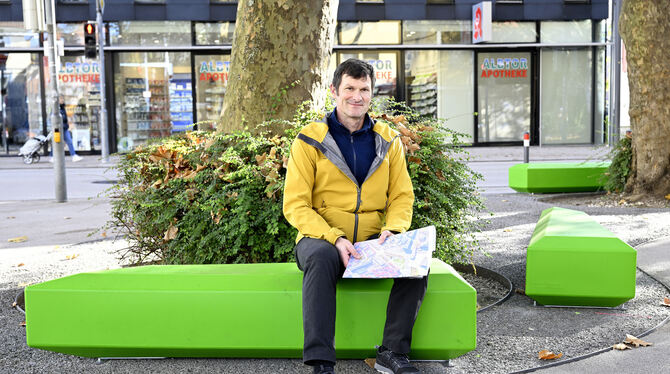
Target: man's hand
382, 237
346, 249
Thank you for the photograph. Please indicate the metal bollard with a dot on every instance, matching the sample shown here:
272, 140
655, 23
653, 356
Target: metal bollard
526, 147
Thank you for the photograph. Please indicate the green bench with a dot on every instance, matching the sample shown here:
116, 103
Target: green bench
242, 310
547, 177
573, 261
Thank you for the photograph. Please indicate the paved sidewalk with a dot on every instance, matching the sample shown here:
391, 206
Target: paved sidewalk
88, 161
654, 259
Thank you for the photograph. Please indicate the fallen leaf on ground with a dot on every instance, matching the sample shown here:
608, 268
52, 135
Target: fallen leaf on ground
18, 239
22, 324
24, 284
666, 301
630, 339
507, 230
11, 217
14, 304
520, 291
71, 257
620, 347
548, 355
370, 362
103, 234
504, 201
19, 265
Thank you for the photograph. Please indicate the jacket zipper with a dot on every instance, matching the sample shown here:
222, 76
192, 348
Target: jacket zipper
358, 205
358, 190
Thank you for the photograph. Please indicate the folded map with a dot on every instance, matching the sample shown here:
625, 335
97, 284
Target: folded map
405, 255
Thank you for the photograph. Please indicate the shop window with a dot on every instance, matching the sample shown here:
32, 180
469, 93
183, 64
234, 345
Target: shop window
566, 32
71, 33
514, 32
385, 65
380, 32
504, 95
153, 96
214, 33
600, 36
565, 96
437, 32
20, 98
79, 87
212, 81
150, 33
12, 34
440, 84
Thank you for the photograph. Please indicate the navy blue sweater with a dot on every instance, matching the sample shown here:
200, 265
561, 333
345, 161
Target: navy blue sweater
358, 147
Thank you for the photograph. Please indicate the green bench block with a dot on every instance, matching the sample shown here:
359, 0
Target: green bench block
572, 260
242, 310
550, 177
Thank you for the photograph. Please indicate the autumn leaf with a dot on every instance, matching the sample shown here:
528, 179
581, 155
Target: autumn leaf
667, 197
103, 234
19, 239
630, 339
14, 304
620, 347
285, 162
23, 323
171, 233
370, 362
507, 230
71, 257
19, 265
260, 159
666, 301
548, 355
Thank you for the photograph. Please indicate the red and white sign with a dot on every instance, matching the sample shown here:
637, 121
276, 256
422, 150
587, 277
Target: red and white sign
481, 22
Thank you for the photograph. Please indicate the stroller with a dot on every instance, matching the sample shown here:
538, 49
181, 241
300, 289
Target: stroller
31, 148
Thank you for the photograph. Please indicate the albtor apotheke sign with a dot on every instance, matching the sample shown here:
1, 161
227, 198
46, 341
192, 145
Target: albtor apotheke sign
481, 22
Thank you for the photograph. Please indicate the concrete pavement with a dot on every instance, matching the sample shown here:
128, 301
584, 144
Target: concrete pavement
654, 259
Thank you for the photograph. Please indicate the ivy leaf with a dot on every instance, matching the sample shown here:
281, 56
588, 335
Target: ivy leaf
548, 355
630, 339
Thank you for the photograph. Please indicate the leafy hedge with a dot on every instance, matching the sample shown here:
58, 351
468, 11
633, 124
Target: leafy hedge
205, 197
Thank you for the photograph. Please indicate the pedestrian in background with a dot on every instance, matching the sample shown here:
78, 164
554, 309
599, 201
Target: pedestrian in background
67, 135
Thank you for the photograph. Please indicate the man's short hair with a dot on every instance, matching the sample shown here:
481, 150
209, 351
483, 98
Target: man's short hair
354, 68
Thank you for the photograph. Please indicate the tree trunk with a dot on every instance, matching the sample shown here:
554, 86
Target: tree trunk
280, 59
646, 33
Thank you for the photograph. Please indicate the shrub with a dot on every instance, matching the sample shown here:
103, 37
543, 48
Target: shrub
206, 197
618, 171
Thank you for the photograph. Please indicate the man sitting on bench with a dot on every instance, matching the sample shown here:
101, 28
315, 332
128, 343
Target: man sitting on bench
347, 181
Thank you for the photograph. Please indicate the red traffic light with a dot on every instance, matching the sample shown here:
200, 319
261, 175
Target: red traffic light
89, 29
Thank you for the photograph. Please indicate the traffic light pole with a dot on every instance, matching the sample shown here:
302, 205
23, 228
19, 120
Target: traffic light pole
104, 140
52, 101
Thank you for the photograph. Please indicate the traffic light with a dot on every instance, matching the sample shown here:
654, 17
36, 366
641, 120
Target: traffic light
90, 41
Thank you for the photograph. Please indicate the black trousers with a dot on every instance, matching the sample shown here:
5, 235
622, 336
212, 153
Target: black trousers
322, 267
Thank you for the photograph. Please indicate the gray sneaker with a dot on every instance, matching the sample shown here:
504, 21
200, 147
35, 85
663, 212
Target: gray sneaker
393, 363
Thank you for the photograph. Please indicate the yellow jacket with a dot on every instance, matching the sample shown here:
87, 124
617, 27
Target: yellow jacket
323, 200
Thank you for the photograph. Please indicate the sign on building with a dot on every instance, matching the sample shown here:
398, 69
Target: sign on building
481, 22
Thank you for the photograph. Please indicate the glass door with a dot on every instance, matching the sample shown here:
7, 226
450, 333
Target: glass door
503, 96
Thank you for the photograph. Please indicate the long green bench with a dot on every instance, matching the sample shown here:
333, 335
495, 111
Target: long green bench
242, 310
573, 260
548, 177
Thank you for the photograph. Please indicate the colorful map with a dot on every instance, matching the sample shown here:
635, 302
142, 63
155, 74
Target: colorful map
405, 255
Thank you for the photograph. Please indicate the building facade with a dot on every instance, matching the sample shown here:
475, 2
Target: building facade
542, 71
